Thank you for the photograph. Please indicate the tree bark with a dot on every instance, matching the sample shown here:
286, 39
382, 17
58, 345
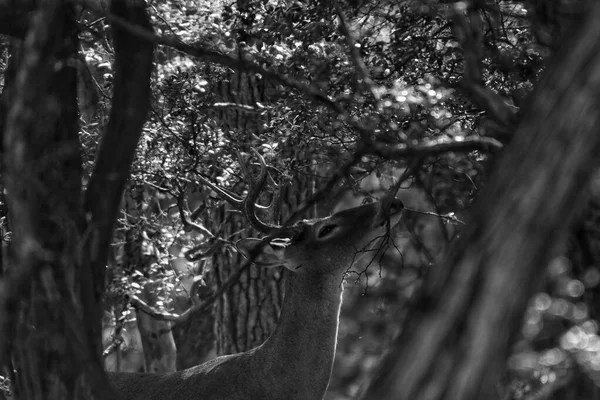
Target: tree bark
43, 295
51, 297
14, 18
130, 105
470, 308
247, 313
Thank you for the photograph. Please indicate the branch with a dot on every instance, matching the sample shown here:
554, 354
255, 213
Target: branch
309, 91
141, 305
234, 106
367, 145
361, 69
430, 148
468, 31
325, 191
200, 308
131, 102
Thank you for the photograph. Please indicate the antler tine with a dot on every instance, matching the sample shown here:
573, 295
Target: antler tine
254, 189
231, 198
236, 201
247, 205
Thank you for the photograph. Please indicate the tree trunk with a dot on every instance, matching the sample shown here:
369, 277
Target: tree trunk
43, 294
160, 353
50, 300
247, 314
471, 307
130, 105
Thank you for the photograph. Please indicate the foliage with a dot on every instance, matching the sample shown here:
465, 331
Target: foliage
414, 93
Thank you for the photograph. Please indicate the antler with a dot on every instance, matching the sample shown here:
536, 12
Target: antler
248, 205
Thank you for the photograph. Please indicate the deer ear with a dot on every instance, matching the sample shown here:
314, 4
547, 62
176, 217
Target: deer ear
262, 253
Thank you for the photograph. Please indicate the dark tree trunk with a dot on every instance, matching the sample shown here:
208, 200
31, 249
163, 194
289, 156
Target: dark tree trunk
14, 17
471, 307
50, 299
43, 306
130, 105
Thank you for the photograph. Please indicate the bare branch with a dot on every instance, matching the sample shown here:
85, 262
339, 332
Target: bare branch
141, 305
200, 308
430, 148
362, 71
469, 32
324, 192
235, 106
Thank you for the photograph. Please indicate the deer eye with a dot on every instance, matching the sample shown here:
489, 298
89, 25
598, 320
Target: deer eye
326, 230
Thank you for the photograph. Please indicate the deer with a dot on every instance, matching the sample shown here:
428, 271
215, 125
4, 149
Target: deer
296, 361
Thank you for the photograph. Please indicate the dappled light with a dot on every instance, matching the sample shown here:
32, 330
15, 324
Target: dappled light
563, 313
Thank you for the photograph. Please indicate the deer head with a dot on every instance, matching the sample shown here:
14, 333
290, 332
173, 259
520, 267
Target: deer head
326, 244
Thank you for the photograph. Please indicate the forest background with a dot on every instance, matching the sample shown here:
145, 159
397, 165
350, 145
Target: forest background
481, 115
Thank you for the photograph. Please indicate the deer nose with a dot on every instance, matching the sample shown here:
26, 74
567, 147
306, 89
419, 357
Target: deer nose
396, 206
388, 208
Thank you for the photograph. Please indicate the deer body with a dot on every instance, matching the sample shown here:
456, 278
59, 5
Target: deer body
296, 361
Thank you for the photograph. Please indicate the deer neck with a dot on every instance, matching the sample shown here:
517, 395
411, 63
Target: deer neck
302, 348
